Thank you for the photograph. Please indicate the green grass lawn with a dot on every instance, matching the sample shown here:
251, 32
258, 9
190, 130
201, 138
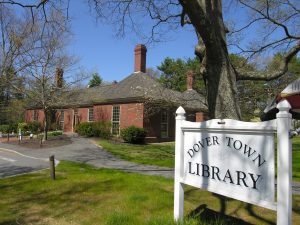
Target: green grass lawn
296, 159
86, 195
163, 154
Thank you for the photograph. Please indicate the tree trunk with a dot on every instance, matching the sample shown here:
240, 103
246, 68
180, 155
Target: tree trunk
207, 19
45, 126
221, 86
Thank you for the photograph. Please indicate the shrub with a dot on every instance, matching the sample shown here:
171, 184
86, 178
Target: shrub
85, 129
55, 133
23, 127
34, 126
134, 135
102, 129
94, 129
4, 129
8, 128
13, 127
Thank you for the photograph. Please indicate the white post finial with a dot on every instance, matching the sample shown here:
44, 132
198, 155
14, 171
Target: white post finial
180, 112
284, 164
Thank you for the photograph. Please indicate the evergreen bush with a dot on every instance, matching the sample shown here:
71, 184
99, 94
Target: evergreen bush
134, 135
23, 126
94, 129
34, 127
4, 128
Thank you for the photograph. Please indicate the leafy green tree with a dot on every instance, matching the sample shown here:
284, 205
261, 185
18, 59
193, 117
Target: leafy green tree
96, 80
276, 86
174, 74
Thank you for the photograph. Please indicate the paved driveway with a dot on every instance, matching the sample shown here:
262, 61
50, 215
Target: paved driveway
84, 151
13, 163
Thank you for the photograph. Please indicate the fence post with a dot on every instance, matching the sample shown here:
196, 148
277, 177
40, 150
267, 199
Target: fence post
178, 187
284, 164
52, 167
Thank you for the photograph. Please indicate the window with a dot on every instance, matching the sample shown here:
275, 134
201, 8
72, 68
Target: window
91, 114
35, 115
116, 120
62, 119
164, 124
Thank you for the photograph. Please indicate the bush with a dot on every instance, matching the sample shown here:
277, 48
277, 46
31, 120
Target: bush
134, 135
55, 133
94, 129
4, 128
102, 129
23, 127
8, 128
85, 129
13, 127
34, 127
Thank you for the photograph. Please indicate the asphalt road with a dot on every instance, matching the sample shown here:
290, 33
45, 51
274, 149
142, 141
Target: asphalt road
13, 163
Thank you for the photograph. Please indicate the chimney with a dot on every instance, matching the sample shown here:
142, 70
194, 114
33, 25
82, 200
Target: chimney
59, 77
140, 58
190, 75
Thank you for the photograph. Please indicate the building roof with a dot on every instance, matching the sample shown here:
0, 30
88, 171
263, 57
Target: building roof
137, 87
290, 93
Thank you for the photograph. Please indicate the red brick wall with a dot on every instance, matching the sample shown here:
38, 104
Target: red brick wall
102, 112
68, 120
41, 116
131, 114
82, 114
28, 115
200, 116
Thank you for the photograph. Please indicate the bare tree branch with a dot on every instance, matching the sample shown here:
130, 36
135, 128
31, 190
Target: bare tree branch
266, 76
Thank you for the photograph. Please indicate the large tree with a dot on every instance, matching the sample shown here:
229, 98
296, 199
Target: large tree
278, 18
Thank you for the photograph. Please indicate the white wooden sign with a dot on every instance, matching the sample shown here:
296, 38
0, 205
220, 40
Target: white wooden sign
235, 159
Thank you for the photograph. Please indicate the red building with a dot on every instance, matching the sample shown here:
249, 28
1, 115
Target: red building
137, 100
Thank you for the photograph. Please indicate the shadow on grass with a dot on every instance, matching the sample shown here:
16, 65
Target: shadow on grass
210, 216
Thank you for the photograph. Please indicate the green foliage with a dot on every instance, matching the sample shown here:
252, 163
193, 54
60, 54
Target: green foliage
254, 95
94, 129
174, 74
8, 128
55, 133
134, 135
293, 73
95, 81
34, 126
102, 129
4, 128
23, 126
85, 129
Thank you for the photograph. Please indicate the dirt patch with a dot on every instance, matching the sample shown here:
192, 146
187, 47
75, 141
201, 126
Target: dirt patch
35, 143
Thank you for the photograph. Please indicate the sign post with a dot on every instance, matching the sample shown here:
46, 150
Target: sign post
284, 162
235, 159
178, 186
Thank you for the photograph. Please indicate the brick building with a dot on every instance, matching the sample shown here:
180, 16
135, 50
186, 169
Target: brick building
137, 100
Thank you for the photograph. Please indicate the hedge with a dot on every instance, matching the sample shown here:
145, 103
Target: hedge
94, 129
134, 135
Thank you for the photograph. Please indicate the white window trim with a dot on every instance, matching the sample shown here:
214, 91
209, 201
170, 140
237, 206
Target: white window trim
112, 117
88, 115
167, 123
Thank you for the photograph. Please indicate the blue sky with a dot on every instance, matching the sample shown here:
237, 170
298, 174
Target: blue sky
99, 50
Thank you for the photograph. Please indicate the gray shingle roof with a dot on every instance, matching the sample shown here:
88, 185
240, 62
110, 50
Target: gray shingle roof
136, 87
